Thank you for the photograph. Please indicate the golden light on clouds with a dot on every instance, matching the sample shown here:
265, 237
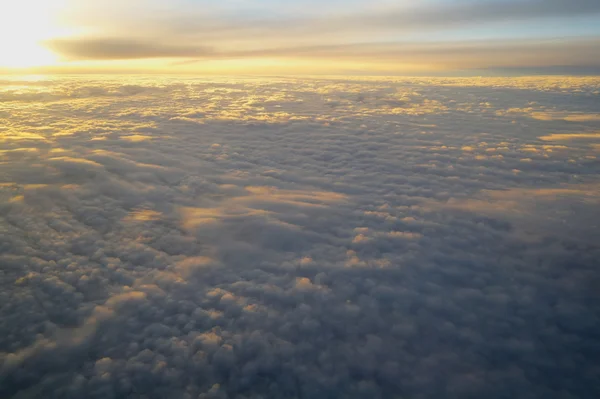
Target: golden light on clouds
24, 25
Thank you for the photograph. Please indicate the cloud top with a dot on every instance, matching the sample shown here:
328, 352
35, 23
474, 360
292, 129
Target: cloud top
170, 237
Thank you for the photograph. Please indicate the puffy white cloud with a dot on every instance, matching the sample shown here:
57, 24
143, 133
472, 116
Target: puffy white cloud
361, 237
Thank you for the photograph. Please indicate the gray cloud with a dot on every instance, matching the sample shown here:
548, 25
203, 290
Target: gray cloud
471, 13
392, 18
121, 49
458, 55
195, 238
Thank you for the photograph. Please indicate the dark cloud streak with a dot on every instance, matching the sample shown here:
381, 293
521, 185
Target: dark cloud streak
121, 49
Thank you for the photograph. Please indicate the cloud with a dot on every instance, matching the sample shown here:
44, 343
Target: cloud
570, 136
456, 55
118, 49
359, 35
446, 55
320, 237
465, 12
202, 21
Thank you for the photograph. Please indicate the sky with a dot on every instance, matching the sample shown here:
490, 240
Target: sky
357, 37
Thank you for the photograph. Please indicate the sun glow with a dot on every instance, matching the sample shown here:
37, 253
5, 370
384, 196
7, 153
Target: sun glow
24, 25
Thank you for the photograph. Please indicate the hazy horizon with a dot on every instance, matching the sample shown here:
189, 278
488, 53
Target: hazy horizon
381, 37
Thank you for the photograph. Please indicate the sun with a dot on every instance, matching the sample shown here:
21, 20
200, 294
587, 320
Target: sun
24, 24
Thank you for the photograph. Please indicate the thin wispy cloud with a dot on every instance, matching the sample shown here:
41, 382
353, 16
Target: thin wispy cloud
386, 36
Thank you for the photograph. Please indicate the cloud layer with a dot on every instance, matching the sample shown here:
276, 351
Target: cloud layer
454, 56
299, 238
